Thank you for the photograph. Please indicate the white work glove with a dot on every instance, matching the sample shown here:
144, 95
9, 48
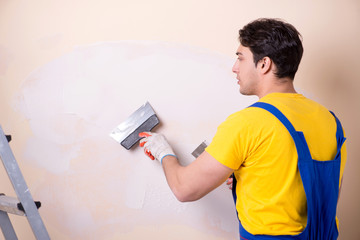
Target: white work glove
155, 146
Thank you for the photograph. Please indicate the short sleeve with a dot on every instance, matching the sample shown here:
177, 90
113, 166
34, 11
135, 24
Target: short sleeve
226, 145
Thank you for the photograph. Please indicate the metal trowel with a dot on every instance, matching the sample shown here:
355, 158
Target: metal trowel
142, 120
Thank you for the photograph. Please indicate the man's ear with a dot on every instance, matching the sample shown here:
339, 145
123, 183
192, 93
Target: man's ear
265, 65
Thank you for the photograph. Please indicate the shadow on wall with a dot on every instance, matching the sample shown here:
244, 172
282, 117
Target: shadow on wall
75, 101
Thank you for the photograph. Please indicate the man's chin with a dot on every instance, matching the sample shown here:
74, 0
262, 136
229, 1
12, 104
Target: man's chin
243, 92
246, 93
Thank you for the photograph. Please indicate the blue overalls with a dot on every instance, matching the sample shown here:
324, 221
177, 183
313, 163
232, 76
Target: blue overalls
321, 183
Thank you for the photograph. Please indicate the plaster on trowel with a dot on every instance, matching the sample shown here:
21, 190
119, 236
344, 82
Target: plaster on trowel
142, 120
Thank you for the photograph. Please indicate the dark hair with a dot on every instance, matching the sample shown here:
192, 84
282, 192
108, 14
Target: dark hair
276, 39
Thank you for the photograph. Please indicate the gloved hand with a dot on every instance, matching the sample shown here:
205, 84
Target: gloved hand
155, 146
229, 182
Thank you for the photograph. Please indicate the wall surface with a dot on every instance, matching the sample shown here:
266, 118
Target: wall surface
71, 71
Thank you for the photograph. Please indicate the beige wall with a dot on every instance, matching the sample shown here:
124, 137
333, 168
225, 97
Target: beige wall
63, 89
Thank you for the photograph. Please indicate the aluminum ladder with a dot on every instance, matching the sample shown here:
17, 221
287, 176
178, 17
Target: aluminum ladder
24, 204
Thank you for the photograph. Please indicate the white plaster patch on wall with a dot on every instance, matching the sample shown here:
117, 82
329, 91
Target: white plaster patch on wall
43, 152
73, 102
135, 190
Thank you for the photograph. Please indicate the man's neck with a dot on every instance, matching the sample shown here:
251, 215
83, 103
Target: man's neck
284, 85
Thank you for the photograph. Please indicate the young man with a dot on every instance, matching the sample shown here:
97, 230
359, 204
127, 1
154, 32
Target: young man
286, 152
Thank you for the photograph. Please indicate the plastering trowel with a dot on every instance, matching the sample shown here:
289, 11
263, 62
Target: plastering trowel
142, 120
200, 149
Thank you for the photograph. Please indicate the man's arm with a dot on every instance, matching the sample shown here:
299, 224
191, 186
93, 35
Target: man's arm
188, 183
194, 181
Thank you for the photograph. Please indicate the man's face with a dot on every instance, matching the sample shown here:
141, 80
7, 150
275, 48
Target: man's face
246, 72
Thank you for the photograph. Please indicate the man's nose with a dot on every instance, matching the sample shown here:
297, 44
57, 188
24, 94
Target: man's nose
235, 68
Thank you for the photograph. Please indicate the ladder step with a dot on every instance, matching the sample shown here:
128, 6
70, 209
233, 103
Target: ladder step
13, 205
9, 205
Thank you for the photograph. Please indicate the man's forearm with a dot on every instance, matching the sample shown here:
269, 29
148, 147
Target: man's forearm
188, 183
194, 181
174, 173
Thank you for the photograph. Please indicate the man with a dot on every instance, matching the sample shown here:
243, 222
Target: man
280, 192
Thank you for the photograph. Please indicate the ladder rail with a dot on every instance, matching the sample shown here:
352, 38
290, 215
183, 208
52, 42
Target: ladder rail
21, 189
6, 226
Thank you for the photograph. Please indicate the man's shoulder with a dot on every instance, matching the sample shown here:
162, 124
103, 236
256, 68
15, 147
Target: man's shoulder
249, 116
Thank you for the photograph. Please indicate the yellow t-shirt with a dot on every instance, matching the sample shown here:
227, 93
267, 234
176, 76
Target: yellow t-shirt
270, 196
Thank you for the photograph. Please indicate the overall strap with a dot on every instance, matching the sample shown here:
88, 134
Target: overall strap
339, 135
298, 137
277, 114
